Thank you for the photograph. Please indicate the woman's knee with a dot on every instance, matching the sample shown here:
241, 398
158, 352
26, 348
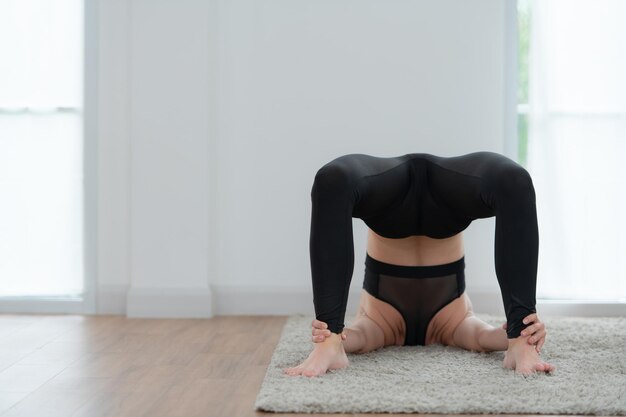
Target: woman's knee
467, 334
371, 335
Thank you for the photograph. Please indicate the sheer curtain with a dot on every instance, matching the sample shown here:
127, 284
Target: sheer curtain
41, 148
577, 146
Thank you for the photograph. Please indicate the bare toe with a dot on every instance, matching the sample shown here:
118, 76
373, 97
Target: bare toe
310, 372
524, 370
296, 370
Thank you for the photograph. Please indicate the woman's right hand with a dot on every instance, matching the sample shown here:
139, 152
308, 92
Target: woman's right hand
320, 331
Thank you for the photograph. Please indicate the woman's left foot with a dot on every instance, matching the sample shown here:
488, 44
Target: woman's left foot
523, 357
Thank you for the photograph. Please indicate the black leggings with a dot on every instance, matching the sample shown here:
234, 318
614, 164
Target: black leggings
423, 194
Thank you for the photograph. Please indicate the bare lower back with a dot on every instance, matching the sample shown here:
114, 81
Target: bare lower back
415, 250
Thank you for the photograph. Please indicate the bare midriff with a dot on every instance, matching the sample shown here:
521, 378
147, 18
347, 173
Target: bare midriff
415, 250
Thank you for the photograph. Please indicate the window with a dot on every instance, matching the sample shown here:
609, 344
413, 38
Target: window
41, 148
572, 139
523, 26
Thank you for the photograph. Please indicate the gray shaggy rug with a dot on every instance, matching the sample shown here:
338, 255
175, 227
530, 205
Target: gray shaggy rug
590, 376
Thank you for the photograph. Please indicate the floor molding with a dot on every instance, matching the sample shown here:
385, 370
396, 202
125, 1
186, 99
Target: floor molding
168, 302
281, 300
231, 300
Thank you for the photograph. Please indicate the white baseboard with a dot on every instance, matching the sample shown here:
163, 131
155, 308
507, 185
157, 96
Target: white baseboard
263, 300
279, 300
155, 302
169, 302
267, 300
42, 305
581, 308
111, 299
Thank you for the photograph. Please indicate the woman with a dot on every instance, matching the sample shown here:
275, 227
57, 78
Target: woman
416, 206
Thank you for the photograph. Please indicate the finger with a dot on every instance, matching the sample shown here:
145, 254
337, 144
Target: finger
526, 331
532, 329
504, 326
540, 343
324, 332
319, 324
537, 326
537, 336
320, 333
529, 330
530, 318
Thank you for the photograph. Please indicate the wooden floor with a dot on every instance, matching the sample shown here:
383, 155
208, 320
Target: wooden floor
93, 366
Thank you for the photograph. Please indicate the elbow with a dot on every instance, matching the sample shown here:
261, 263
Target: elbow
331, 181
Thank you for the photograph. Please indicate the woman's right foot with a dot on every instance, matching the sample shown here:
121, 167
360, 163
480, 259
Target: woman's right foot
326, 355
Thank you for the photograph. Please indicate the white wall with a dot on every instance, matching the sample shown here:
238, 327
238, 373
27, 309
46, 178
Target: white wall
155, 118
113, 139
215, 116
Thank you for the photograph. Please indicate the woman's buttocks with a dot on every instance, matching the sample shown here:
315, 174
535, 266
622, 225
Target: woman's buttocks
415, 250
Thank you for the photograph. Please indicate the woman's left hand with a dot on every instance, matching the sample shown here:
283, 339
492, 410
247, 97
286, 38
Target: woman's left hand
537, 331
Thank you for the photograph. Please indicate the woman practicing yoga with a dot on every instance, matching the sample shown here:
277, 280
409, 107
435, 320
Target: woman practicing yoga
416, 207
